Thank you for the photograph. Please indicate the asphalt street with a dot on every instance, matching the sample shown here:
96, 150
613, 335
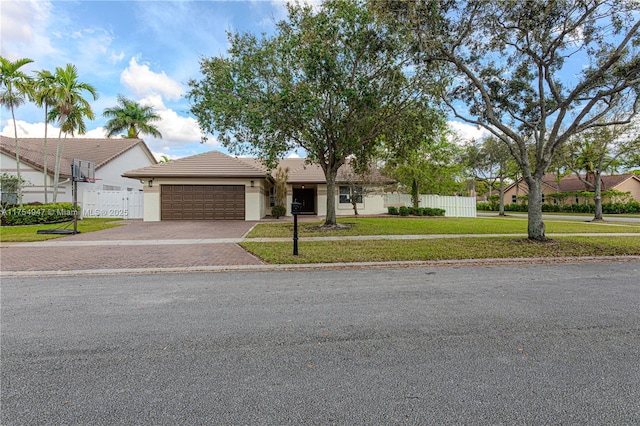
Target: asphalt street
538, 344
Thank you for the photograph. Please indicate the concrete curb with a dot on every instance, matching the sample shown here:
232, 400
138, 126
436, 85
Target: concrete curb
339, 265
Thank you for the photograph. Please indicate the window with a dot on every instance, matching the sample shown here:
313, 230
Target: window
272, 196
348, 193
542, 198
110, 188
514, 199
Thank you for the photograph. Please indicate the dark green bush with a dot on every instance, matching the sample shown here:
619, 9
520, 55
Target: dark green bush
35, 214
404, 211
278, 211
393, 210
433, 212
632, 206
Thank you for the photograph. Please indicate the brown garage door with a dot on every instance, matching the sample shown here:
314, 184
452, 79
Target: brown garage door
202, 202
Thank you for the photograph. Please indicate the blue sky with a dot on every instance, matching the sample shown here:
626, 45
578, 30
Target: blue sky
145, 50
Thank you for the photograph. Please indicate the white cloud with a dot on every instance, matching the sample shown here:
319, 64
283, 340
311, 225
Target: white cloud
466, 132
144, 82
36, 130
23, 30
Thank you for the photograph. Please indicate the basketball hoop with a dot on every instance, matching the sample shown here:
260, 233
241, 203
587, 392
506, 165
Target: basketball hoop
83, 170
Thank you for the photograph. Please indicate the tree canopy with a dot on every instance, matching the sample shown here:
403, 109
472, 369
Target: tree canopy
132, 118
511, 66
331, 81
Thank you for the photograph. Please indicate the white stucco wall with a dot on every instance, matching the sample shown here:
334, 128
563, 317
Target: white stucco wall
33, 189
109, 175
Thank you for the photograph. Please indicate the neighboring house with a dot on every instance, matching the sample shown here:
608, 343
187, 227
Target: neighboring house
571, 185
213, 185
112, 157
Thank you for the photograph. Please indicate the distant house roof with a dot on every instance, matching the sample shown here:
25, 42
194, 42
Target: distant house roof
571, 183
100, 151
215, 164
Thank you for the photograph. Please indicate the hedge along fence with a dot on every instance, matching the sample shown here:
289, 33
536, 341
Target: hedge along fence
632, 206
37, 214
411, 211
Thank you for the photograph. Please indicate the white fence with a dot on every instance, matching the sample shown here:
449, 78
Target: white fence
120, 204
453, 206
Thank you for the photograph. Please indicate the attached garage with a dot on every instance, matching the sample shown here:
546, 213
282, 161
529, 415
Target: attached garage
202, 202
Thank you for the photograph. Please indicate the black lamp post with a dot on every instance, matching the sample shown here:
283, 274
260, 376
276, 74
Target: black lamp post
295, 211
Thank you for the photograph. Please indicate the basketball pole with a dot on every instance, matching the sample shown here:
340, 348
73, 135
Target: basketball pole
75, 199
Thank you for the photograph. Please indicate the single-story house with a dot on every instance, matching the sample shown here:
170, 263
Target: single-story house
571, 185
216, 186
112, 157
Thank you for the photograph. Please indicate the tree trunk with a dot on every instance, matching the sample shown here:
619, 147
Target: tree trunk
535, 227
18, 175
597, 197
44, 164
501, 208
56, 168
415, 193
330, 220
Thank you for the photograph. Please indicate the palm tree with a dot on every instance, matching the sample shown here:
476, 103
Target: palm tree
15, 85
43, 96
69, 110
132, 118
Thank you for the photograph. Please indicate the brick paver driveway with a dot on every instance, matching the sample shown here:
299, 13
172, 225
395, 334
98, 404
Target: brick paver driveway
136, 245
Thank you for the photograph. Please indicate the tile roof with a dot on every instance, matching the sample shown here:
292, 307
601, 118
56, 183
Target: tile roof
571, 183
214, 164
100, 151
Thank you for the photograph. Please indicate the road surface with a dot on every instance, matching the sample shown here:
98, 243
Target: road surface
539, 344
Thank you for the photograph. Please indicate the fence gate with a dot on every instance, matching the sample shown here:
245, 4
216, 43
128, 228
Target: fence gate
115, 204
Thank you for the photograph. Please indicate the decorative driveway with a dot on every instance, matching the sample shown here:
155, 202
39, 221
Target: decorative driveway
135, 245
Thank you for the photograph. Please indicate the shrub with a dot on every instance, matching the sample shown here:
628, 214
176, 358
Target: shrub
433, 212
393, 210
36, 214
278, 211
404, 211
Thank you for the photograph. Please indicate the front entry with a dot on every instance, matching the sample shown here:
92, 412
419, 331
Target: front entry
307, 197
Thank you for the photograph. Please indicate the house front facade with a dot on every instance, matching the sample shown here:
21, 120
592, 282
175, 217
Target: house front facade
572, 187
111, 157
216, 186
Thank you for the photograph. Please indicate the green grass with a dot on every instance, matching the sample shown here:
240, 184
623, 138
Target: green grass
431, 226
28, 233
441, 249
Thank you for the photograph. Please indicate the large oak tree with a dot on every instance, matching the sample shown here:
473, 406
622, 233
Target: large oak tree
331, 81
533, 73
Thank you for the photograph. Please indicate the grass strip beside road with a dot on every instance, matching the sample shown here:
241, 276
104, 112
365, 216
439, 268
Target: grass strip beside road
435, 226
441, 249
28, 233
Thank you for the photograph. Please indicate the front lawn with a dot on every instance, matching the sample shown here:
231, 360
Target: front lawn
26, 233
441, 249
432, 226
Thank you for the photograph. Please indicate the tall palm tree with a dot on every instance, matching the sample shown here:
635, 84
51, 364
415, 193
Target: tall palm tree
15, 86
43, 96
132, 118
69, 110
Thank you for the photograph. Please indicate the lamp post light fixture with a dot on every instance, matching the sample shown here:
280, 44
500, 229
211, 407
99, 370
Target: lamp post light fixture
295, 211
150, 183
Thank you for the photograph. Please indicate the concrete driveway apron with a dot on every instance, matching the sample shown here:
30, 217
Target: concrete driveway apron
135, 245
